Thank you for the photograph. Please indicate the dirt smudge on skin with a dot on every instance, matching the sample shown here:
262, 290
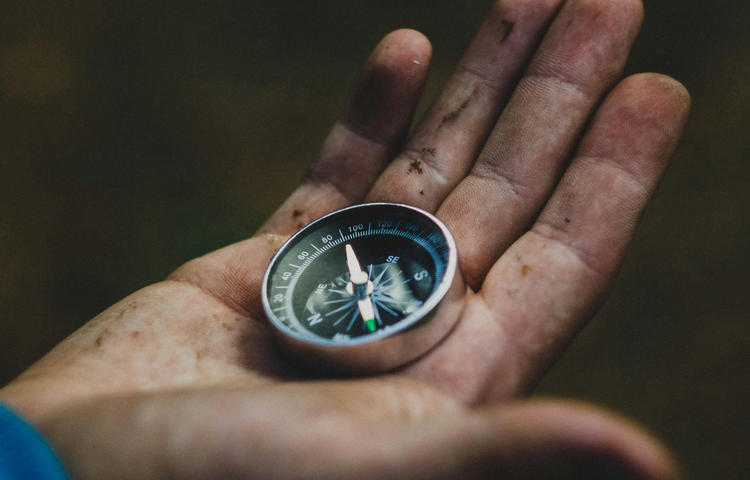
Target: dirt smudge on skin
421, 192
525, 270
296, 214
100, 339
275, 240
453, 116
416, 166
567, 220
508, 29
429, 151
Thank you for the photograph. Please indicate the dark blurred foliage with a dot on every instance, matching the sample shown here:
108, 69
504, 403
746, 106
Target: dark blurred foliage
137, 135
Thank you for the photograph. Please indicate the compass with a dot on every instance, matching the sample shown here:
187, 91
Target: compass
364, 289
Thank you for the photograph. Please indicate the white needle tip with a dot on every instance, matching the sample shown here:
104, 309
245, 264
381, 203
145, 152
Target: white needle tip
351, 262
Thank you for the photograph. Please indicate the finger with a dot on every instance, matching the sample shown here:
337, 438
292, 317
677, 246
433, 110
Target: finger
581, 57
563, 269
376, 118
542, 440
374, 123
552, 280
444, 146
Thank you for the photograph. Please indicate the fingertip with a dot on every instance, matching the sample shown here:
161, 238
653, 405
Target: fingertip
662, 88
409, 45
389, 87
651, 111
640, 124
404, 55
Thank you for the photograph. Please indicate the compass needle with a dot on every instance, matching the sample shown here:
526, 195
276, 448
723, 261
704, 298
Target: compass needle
367, 310
352, 262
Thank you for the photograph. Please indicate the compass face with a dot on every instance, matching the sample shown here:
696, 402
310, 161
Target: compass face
359, 274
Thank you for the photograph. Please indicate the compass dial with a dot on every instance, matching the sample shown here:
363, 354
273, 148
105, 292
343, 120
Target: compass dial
359, 275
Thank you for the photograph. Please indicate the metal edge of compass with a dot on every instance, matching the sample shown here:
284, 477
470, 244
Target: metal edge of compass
414, 335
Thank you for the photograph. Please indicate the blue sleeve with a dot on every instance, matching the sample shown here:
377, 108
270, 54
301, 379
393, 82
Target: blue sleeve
24, 454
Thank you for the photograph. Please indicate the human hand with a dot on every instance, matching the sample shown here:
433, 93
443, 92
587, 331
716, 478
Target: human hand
182, 379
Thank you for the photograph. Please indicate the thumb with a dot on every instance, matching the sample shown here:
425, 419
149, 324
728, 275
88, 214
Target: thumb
233, 435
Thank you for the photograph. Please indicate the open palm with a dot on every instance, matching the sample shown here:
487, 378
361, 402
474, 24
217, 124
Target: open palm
538, 162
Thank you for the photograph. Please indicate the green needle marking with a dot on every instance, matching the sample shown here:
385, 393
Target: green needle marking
371, 325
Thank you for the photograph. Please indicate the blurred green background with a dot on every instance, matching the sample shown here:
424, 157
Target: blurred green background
137, 135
